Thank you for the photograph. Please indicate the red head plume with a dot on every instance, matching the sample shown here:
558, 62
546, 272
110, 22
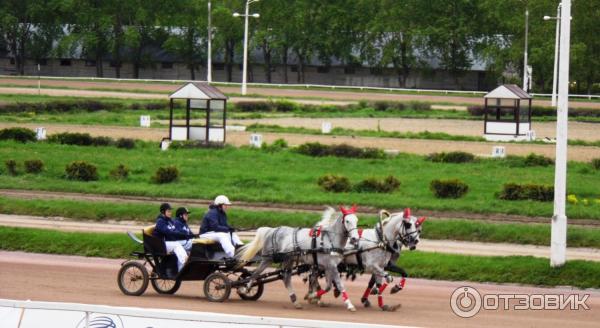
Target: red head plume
420, 221
406, 212
346, 211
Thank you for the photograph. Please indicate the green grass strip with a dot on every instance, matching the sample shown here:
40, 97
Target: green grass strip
510, 269
465, 230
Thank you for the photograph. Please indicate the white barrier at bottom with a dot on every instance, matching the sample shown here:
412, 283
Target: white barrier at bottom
30, 314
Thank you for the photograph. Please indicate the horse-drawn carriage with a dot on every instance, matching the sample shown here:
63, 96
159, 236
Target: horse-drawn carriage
318, 251
206, 262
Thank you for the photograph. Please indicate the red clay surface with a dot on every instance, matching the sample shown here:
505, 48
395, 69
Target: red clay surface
424, 302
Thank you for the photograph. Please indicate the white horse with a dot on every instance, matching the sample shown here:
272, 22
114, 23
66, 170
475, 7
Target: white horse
398, 229
294, 246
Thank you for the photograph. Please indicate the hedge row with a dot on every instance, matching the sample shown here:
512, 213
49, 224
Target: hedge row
540, 111
338, 183
286, 106
316, 149
18, 134
87, 105
451, 157
85, 139
513, 191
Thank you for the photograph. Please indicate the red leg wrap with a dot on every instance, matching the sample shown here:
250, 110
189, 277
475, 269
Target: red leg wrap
382, 288
344, 295
367, 293
402, 282
320, 292
380, 300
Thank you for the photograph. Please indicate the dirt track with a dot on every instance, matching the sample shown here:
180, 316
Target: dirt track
424, 303
275, 92
415, 146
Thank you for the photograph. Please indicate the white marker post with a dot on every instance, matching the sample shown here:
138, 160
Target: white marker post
558, 247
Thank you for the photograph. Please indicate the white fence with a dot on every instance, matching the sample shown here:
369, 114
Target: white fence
279, 85
28, 314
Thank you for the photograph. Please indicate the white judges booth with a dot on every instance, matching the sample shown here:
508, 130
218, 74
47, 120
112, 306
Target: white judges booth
508, 114
205, 114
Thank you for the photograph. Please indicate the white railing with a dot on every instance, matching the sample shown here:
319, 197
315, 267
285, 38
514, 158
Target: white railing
25, 314
282, 85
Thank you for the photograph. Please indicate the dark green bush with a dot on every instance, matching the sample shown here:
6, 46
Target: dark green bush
334, 183
34, 166
67, 138
11, 167
82, 171
254, 106
102, 141
596, 163
513, 191
59, 106
537, 160
285, 106
316, 149
17, 134
166, 174
125, 143
277, 145
121, 172
374, 185
451, 157
452, 188
419, 106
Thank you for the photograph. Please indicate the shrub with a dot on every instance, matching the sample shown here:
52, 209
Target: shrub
166, 174
11, 167
596, 163
285, 106
277, 145
537, 160
102, 141
387, 185
126, 143
82, 171
254, 106
334, 183
451, 157
419, 106
316, 149
17, 134
513, 191
67, 138
452, 188
476, 110
34, 166
120, 172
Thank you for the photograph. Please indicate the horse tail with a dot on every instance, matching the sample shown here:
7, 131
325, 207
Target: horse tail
248, 251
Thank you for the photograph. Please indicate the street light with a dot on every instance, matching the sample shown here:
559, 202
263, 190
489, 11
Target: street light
209, 59
558, 246
556, 45
525, 74
246, 15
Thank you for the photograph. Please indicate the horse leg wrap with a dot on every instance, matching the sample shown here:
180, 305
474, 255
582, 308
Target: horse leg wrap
382, 288
321, 292
293, 297
345, 296
366, 293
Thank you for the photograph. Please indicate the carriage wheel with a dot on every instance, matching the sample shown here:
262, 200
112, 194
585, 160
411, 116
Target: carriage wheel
217, 287
133, 278
253, 293
165, 286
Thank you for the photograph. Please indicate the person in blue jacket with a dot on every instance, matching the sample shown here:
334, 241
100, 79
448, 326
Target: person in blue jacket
214, 226
182, 216
174, 240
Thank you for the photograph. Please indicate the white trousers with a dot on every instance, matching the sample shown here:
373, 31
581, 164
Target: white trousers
177, 248
227, 240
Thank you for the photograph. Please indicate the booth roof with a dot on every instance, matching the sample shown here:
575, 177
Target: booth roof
508, 91
198, 90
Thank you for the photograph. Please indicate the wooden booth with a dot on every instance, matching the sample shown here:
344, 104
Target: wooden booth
205, 113
508, 114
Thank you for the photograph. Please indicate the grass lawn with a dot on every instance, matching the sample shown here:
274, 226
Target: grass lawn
287, 177
510, 269
466, 230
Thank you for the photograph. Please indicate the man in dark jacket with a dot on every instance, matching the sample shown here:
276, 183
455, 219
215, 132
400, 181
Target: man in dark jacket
214, 226
181, 223
174, 241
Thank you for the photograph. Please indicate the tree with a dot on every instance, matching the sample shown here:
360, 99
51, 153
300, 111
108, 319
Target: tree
228, 31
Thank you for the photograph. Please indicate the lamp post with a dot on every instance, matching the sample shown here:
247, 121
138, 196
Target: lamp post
525, 75
209, 59
556, 45
558, 245
246, 15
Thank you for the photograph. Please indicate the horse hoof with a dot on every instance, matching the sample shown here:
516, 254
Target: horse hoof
322, 304
351, 308
336, 293
395, 289
365, 302
313, 301
388, 308
307, 296
298, 306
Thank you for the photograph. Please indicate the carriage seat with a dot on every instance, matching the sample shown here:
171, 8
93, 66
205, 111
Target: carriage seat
203, 241
153, 244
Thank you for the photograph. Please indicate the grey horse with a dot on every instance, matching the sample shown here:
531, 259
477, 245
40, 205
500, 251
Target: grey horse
381, 247
296, 246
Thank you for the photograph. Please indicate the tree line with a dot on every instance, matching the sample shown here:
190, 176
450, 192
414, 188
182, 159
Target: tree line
377, 33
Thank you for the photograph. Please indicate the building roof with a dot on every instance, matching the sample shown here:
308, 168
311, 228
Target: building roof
508, 91
198, 90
